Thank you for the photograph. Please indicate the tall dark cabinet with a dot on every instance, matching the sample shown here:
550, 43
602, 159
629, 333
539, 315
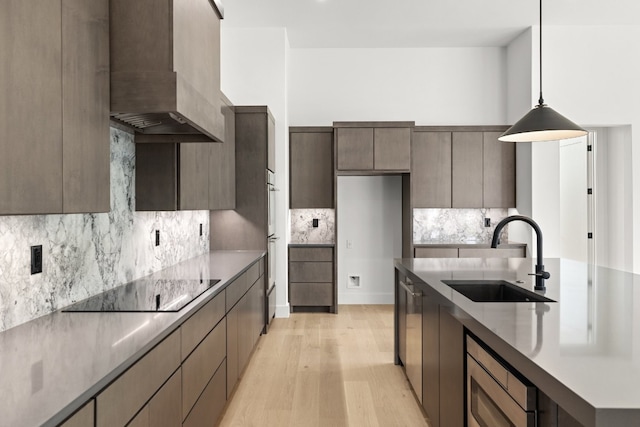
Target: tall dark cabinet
246, 227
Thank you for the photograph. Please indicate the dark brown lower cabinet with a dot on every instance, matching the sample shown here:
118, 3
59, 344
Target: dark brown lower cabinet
209, 406
245, 322
187, 378
552, 415
311, 277
431, 359
452, 378
442, 386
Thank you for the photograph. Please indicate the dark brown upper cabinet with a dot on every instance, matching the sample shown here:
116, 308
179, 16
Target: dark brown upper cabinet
165, 69
462, 167
373, 146
189, 176
54, 109
311, 167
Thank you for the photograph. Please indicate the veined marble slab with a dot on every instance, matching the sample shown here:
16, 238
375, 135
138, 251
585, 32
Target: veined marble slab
456, 225
302, 230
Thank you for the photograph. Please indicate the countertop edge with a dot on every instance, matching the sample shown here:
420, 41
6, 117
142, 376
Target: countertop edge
311, 245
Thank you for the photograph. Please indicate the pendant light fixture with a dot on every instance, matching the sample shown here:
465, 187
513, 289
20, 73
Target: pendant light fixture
542, 123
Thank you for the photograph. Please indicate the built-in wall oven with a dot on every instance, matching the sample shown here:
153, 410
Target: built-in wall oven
496, 395
272, 238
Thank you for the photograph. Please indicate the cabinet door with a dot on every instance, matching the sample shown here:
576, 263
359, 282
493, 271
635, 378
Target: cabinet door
85, 105
271, 144
355, 148
193, 192
156, 177
30, 108
431, 170
164, 408
414, 364
431, 359
392, 148
222, 165
232, 349
402, 318
311, 160
466, 153
452, 365
499, 172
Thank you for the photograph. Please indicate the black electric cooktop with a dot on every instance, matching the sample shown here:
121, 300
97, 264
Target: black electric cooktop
145, 295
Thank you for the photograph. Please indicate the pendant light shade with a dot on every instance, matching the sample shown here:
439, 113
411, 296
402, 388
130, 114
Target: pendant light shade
542, 123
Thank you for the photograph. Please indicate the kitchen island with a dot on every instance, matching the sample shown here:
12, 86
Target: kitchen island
57, 364
582, 351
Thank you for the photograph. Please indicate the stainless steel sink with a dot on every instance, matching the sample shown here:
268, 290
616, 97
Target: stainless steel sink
494, 291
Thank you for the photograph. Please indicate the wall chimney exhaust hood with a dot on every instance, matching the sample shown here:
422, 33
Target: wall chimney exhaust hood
165, 69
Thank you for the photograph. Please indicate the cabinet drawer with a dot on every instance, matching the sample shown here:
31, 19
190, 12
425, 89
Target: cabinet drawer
201, 365
82, 418
436, 252
235, 291
199, 325
209, 406
311, 254
311, 272
253, 273
311, 293
492, 253
119, 402
164, 408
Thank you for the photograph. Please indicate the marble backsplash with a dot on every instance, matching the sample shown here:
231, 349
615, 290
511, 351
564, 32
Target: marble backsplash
302, 230
456, 225
85, 254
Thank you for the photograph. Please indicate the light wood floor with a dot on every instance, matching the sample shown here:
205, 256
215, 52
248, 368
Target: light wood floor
317, 369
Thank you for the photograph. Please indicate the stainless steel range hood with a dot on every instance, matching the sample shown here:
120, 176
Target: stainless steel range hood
165, 69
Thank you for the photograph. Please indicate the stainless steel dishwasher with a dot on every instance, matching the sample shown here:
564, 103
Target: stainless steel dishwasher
496, 395
413, 362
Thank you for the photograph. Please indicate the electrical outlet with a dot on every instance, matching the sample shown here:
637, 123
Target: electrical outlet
487, 222
201, 229
36, 259
349, 244
157, 237
315, 222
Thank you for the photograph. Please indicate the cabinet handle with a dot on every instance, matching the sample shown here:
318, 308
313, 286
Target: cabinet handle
409, 290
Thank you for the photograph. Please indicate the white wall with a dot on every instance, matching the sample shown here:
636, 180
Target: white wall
613, 192
589, 75
254, 72
573, 199
370, 217
431, 86
520, 99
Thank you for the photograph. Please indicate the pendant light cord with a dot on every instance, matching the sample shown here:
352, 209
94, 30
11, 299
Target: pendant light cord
541, 100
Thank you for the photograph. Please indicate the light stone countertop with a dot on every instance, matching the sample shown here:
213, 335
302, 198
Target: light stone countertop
583, 351
52, 365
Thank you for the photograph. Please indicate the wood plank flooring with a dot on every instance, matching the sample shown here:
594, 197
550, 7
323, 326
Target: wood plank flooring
317, 369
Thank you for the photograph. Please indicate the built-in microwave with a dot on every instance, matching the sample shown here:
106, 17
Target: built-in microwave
496, 395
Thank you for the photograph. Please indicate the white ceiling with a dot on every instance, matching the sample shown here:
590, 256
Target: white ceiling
419, 23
